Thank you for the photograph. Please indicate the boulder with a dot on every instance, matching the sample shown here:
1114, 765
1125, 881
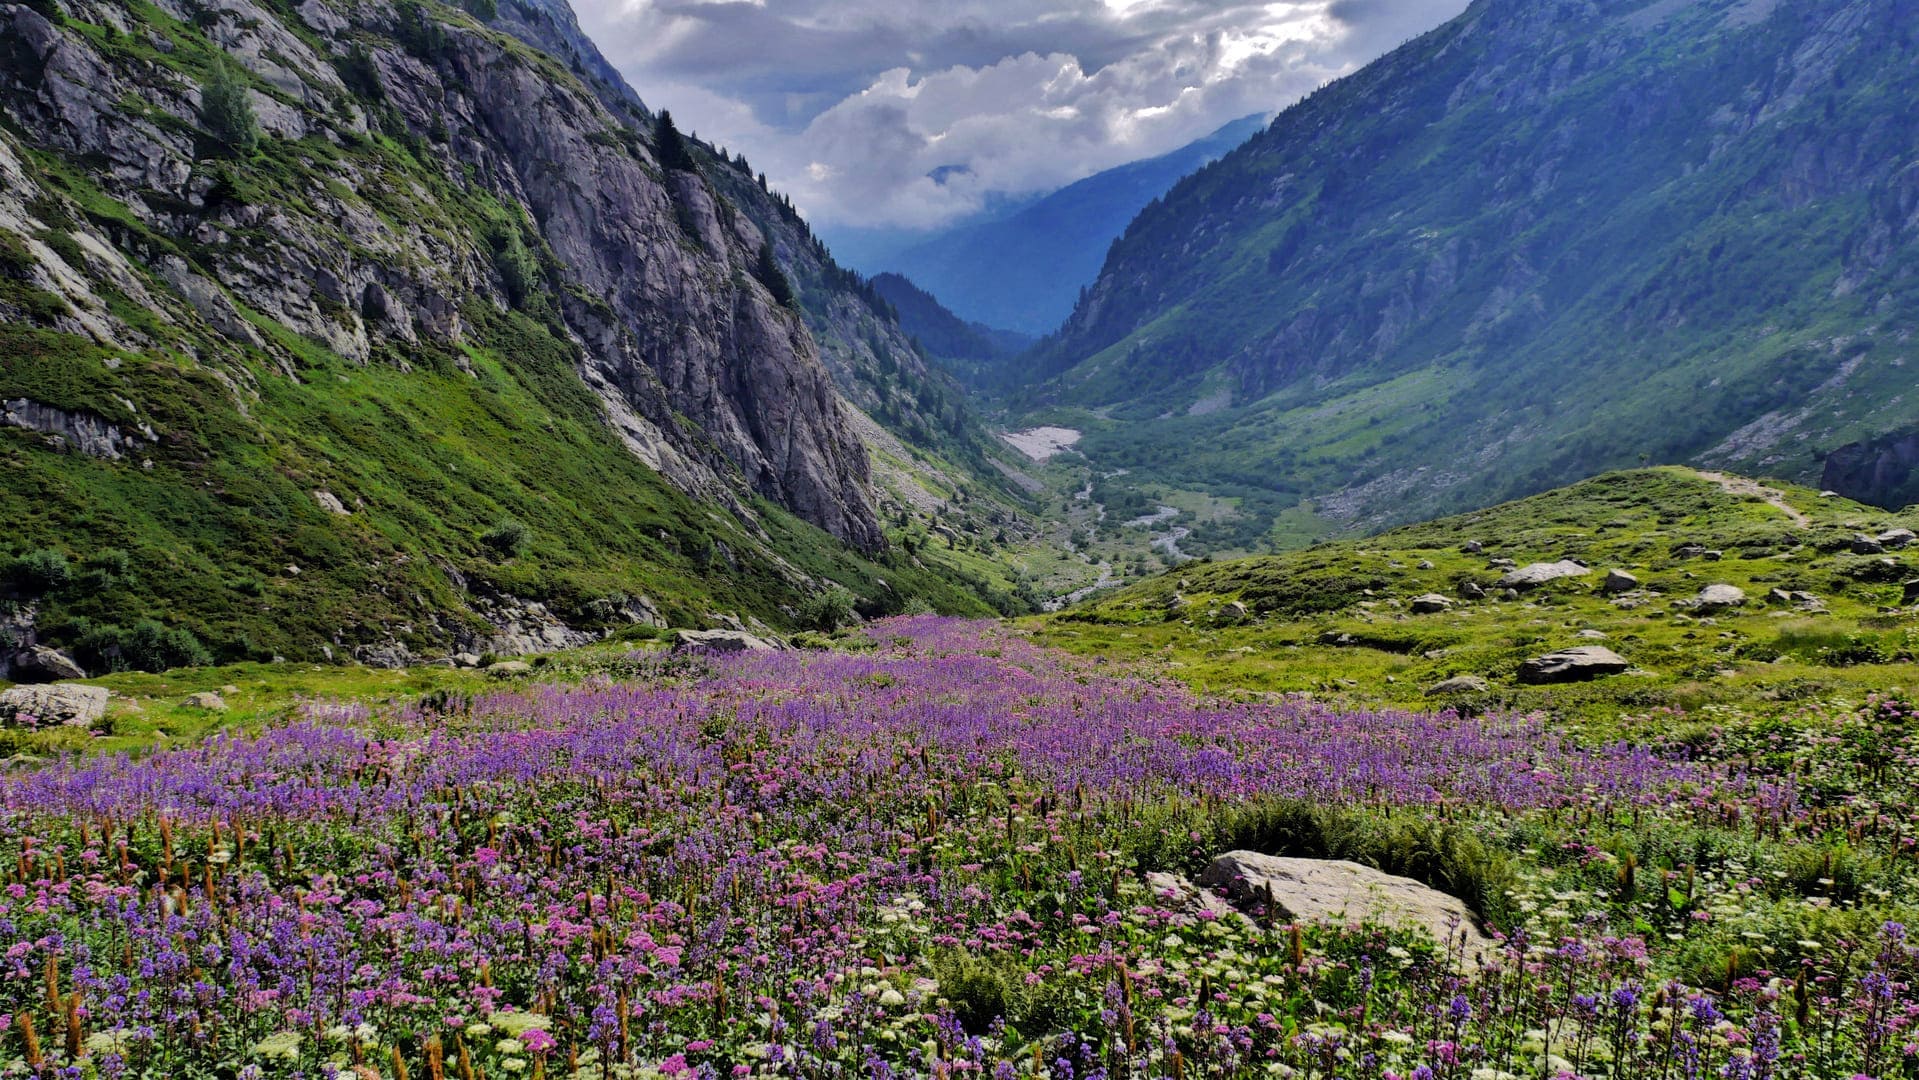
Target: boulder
720, 641
1472, 591
1618, 581
1897, 538
1866, 545
1472, 547
1536, 574
1720, 596
208, 701
1431, 604
1572, 665
41, 664
509, 669
1592, 635
1460, 685
1911, 593
1316, 890
59, 703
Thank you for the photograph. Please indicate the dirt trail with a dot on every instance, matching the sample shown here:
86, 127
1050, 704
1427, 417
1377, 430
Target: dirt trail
1739, 485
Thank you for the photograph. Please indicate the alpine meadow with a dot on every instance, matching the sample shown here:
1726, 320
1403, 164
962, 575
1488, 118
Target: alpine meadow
1331, 541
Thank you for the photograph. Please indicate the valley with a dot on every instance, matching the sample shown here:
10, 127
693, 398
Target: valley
486, 592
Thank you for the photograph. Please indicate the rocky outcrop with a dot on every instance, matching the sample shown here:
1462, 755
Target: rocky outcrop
721, 642
1573, 665
649, 271
1536, 574
1881, 472
61, 704
79, 432
1313, 890
37, 663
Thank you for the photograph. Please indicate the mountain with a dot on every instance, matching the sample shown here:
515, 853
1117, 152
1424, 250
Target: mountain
368, 328
972, 350
1024, 270
1544, 240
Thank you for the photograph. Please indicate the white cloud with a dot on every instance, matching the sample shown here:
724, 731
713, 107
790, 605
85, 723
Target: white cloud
918, 113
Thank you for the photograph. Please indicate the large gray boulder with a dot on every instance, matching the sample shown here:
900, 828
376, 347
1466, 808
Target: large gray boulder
1459, 686
1572, 665
1536, 574
721, 641
1315, 890
1720, 596
1431, 604
1618, 581
60, 703
38, 663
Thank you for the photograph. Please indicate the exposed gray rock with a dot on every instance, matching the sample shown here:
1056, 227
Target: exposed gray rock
37, 663
80, 432
1326, 890
1911, 593
1174, 893
209, 701
1431, 604
720, 641
1896, 538
1472, 591
1866, 545
67, 704
1591, 635
1720, 596
509, 669
330, 503
1459, 686
1618, 581
1572, 665
1536, 574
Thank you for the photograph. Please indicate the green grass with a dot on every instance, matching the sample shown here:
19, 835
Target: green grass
1332, 620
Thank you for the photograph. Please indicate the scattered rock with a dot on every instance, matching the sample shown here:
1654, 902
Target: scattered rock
1472, 547
1866, 545
1618, 581
1500, 564
208, 701
331, 503
466, 660
720, 641
1303, 890
1572, 665
1425, 564
509, 669
1431, 604
1537, 574
1897, 538
1592, 635
41, 664
1720, 596
1460, 685
1912, 593
1472, 591
60, 703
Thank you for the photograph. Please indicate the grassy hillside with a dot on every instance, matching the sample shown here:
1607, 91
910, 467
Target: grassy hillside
1336, 621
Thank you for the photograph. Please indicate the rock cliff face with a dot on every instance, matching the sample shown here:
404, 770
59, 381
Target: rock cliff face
709, 378
1883, 472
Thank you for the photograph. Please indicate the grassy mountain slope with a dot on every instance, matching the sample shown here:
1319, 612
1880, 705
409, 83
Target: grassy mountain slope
1541, 241
1336, 620
378, 383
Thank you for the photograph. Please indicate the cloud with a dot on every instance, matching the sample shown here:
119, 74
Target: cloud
918, 113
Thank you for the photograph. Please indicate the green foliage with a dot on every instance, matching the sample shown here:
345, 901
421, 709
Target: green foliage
507, 539
767, 271
43, 570
227, 112
519, 269
419, 32
147, 645
828, 610
671, 147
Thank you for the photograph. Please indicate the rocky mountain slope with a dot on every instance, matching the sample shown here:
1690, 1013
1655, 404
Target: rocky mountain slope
1543, 240
971, 350
356, 324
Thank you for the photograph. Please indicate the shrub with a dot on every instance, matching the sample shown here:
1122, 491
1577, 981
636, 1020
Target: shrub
828, 611
145, 646
767, 271
518, 268
508, 539
105, 569
671, 146
41, 571
226, 111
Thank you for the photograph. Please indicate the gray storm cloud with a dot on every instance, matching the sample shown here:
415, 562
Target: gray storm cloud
881, 113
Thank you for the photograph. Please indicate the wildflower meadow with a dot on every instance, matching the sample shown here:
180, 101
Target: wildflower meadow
929, 858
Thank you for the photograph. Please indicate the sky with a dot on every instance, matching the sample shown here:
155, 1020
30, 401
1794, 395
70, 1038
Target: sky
919, 114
